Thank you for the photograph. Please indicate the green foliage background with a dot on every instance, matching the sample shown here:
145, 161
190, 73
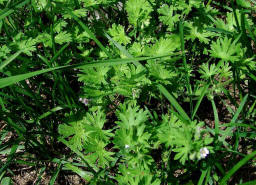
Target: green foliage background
119, 92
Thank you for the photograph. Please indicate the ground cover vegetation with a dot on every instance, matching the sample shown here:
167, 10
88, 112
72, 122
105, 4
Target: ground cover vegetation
128, 92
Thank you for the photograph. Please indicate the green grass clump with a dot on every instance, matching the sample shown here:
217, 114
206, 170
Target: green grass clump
138, 92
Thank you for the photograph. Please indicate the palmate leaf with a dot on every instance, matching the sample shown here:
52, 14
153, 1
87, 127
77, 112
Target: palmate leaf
196, 3
39, 5
89, 3
226, 50
4, 51
138, 11
167, 16
131, 123
81, 130
137, 49
59, 26
131, 137
123, 139
160, 72
216, 74
244, 3
163, 46
230, 23
27, 46
94, 122
195, 33
63, 37
95, 81
185, 140
118, 34
129, 79
22, 43
96, 75
182, 153
46, 39
130, 116
8, 81
207, 71
60, 38
96, 152
183, 6
79, 13
75, 130
135, 139
136, 175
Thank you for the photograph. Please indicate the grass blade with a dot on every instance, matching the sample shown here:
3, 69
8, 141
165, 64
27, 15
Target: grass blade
38, 181
84, 174
7, 11
238, 125
200, 100
9, 158
173, 101
48, 113
237, 167
122, 49
181, 32
87, 30
249, 183
202, 177
59, 52
9, 60
218, 30
92, 167
55, 175
4, 82
216, 117
240, 108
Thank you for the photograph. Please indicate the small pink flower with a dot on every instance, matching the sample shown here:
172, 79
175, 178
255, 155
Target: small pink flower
85, 101
204, 152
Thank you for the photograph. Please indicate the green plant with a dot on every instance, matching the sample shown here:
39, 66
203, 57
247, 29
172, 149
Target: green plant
132, 92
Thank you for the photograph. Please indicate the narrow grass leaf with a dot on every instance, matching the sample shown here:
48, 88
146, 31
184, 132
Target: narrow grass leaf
9, 158
219, 166
216, 117
39, 177
59, 52
25, 162
238, 125
202, 177
6, 12
92, 167
87, 30
4, 82
173, 101
249, 183
200, 100
122, 49
218, 30
55, 175
9, 60
240, 108
2, 175
84, 174
237, 167
55, 109
181, 32
207, 178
